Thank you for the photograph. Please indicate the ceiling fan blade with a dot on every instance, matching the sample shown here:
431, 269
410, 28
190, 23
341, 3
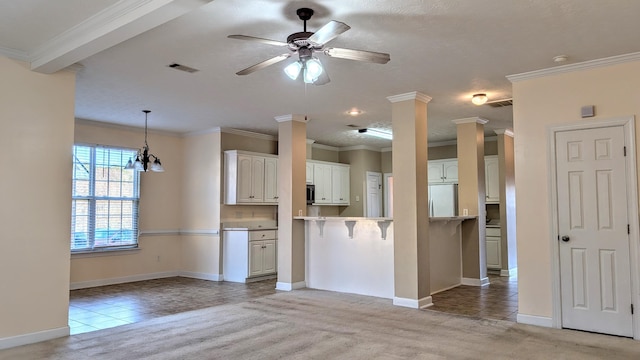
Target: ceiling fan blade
328, 33
257, 39
322, 79
359, 55
263, 64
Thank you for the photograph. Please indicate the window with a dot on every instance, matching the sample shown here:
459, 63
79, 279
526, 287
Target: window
104, 207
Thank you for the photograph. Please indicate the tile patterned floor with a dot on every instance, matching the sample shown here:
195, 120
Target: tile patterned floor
108, 306
498, 300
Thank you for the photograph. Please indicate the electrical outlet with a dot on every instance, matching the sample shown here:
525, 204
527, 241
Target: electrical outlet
357, 197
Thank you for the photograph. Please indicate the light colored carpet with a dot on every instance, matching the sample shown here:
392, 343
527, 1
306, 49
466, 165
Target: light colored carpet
309, 324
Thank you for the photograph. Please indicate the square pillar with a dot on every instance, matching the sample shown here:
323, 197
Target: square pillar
471, 197
410, 203
292, 200
507, 202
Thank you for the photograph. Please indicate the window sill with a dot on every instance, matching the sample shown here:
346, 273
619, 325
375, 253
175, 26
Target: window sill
106, 252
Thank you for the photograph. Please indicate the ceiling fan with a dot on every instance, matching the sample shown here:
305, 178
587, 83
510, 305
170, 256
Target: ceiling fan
306, 44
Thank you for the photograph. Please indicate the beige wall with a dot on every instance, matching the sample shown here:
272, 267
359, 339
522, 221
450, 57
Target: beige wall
324, 154
361, 161
507, 202
201, 199
160, 209
36, 139
451, 151
538, 104
386, 163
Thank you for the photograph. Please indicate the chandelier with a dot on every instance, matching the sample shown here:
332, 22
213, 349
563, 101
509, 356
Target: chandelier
143, 158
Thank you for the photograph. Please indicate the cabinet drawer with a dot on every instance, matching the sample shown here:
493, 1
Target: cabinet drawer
262, 235
493, 231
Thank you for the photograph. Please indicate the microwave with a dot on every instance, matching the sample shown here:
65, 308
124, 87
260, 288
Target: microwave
311, 194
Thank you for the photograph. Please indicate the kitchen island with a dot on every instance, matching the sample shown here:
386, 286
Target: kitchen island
355, 254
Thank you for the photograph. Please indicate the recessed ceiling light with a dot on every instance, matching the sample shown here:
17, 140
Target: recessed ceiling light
479, 99
354, 112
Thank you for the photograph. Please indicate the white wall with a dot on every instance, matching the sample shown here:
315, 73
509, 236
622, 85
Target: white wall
36, 138
538, 104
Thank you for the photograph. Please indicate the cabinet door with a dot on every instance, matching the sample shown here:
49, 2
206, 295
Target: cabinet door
435, 173
309, 173
257, 179
245, 179
322, 182
494, 260
492, 179
269, 256
256, 259
271, 180
340, 184
450, 171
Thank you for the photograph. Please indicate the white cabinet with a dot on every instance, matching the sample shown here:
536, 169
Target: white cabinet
340, 184
322, 181
494, 249
443, 171
309, 173
250, 178
248, 254
492, 179
270, 180
332, 182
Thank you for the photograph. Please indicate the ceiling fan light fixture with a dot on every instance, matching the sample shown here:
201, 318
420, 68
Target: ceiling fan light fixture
312, 70
479, 99
293, 70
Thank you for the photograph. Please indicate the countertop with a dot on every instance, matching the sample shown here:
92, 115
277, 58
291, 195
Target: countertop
249, 225
339, 218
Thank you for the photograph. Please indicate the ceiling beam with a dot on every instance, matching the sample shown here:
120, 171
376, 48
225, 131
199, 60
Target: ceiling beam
113, 25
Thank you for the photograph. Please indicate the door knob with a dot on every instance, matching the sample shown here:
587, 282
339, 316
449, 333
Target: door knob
565, 238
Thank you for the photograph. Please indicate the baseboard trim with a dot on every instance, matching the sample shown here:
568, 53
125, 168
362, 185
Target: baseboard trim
423, 303
201, 276
33, 338
284, 286
509, 273
475, 282
534, 320
122, 280
445, 289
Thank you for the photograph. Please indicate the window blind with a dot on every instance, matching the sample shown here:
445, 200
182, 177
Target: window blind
105, 197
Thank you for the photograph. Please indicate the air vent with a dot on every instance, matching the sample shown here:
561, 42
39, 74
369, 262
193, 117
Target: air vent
500, 103
182, 68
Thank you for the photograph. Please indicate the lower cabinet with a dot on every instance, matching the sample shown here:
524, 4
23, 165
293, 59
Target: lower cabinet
248, 254
494, 249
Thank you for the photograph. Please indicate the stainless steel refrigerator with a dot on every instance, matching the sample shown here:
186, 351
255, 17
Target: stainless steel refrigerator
443, 200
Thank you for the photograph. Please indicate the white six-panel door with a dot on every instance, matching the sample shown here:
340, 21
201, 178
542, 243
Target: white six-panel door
595, 274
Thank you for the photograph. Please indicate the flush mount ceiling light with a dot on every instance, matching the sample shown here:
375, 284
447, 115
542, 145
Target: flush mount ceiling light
479, 99
560, 58
377, 133
354, 112
143, 158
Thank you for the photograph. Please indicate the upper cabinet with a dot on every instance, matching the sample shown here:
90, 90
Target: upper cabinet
443, 171
331, 181
492, 178
250, 178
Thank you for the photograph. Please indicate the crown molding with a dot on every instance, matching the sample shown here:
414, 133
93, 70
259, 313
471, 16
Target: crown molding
310, 141
107, 125
325, 147
474, 119
585, 65
292, 117
387, 149
359, 147
414, 95
14, 54
507, 132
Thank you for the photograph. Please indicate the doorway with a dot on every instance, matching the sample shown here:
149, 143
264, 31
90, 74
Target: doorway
594, 198
374, 194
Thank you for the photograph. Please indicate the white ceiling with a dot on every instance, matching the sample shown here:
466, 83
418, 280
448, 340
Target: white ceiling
447, 49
